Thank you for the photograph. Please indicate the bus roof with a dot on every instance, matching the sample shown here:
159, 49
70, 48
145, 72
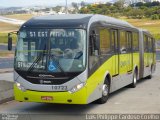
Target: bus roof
145, 31
72, 20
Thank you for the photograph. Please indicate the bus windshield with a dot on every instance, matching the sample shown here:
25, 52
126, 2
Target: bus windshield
51, 50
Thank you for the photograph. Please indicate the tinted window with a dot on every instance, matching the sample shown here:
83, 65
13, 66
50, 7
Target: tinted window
51, 50
149, 44
153, 45
123, 42
145, 43
129, 41
135, 41
114, 42
104, 41
93, 47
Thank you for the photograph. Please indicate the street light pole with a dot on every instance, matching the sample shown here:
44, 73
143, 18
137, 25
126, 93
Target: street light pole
66, 7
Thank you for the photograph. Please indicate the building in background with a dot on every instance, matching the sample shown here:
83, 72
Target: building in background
136, 1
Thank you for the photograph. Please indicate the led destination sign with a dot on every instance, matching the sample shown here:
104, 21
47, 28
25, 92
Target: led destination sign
48, 33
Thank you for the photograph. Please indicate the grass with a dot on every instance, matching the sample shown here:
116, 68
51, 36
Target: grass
6, 53
6, 27
20, 16
4, 38
151, 25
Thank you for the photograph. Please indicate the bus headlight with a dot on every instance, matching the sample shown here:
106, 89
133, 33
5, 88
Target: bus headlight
19, 86
77, 87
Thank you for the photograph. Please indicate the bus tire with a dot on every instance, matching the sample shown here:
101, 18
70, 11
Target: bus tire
105, 92
134, 83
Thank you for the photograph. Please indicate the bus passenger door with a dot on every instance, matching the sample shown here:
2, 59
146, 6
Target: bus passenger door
115, 48
153, 51
129, 51
150, 55
146, 50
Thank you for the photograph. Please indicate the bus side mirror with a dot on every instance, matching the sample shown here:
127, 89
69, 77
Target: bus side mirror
9, 42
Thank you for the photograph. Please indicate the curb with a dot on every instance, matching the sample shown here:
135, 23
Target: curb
6, 91
6, 100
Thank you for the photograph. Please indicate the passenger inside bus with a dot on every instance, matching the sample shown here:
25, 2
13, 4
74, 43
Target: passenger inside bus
69, 51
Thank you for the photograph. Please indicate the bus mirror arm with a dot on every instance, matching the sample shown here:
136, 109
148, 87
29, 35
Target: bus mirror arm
10, 39
9, 42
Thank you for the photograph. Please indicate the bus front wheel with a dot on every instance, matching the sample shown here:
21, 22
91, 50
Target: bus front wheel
105, 92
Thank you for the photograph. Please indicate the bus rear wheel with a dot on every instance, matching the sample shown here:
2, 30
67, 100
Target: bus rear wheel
134, 83
105, 92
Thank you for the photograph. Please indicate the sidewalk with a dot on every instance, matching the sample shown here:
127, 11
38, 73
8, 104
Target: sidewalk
6, 85
6, 91
7, 70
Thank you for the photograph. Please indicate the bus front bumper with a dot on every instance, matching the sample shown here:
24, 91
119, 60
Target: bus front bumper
79, 97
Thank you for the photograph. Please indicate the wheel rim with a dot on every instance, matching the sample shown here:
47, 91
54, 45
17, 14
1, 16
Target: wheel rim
105, 90
135, 78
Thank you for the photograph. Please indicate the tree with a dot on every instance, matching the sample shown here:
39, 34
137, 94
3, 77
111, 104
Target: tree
148, 4
155, 17
117, 10
139, 4
149, 12
155, 3
119, 4
136, 13
108, 4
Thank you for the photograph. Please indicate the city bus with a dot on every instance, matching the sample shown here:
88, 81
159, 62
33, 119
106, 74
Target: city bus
79, 58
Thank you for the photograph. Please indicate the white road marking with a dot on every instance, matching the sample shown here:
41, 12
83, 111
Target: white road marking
11, 21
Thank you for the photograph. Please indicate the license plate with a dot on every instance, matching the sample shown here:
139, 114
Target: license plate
47, 98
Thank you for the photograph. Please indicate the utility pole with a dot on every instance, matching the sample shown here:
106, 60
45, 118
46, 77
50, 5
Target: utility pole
66, 7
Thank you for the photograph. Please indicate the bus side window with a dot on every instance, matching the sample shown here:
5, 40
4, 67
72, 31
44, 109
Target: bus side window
114, 41
93, 48
123, 45
153, 45
135, 39
105, 41
150, 44
145, 43
129, 41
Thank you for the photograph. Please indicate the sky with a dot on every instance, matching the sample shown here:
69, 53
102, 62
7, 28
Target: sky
20, 3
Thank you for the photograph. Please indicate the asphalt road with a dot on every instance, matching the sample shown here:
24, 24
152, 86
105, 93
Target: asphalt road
6, 76
5, 47
145, 98
11, 21
6, 63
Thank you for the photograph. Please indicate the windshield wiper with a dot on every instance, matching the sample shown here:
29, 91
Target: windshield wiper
36, 61
52, 57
